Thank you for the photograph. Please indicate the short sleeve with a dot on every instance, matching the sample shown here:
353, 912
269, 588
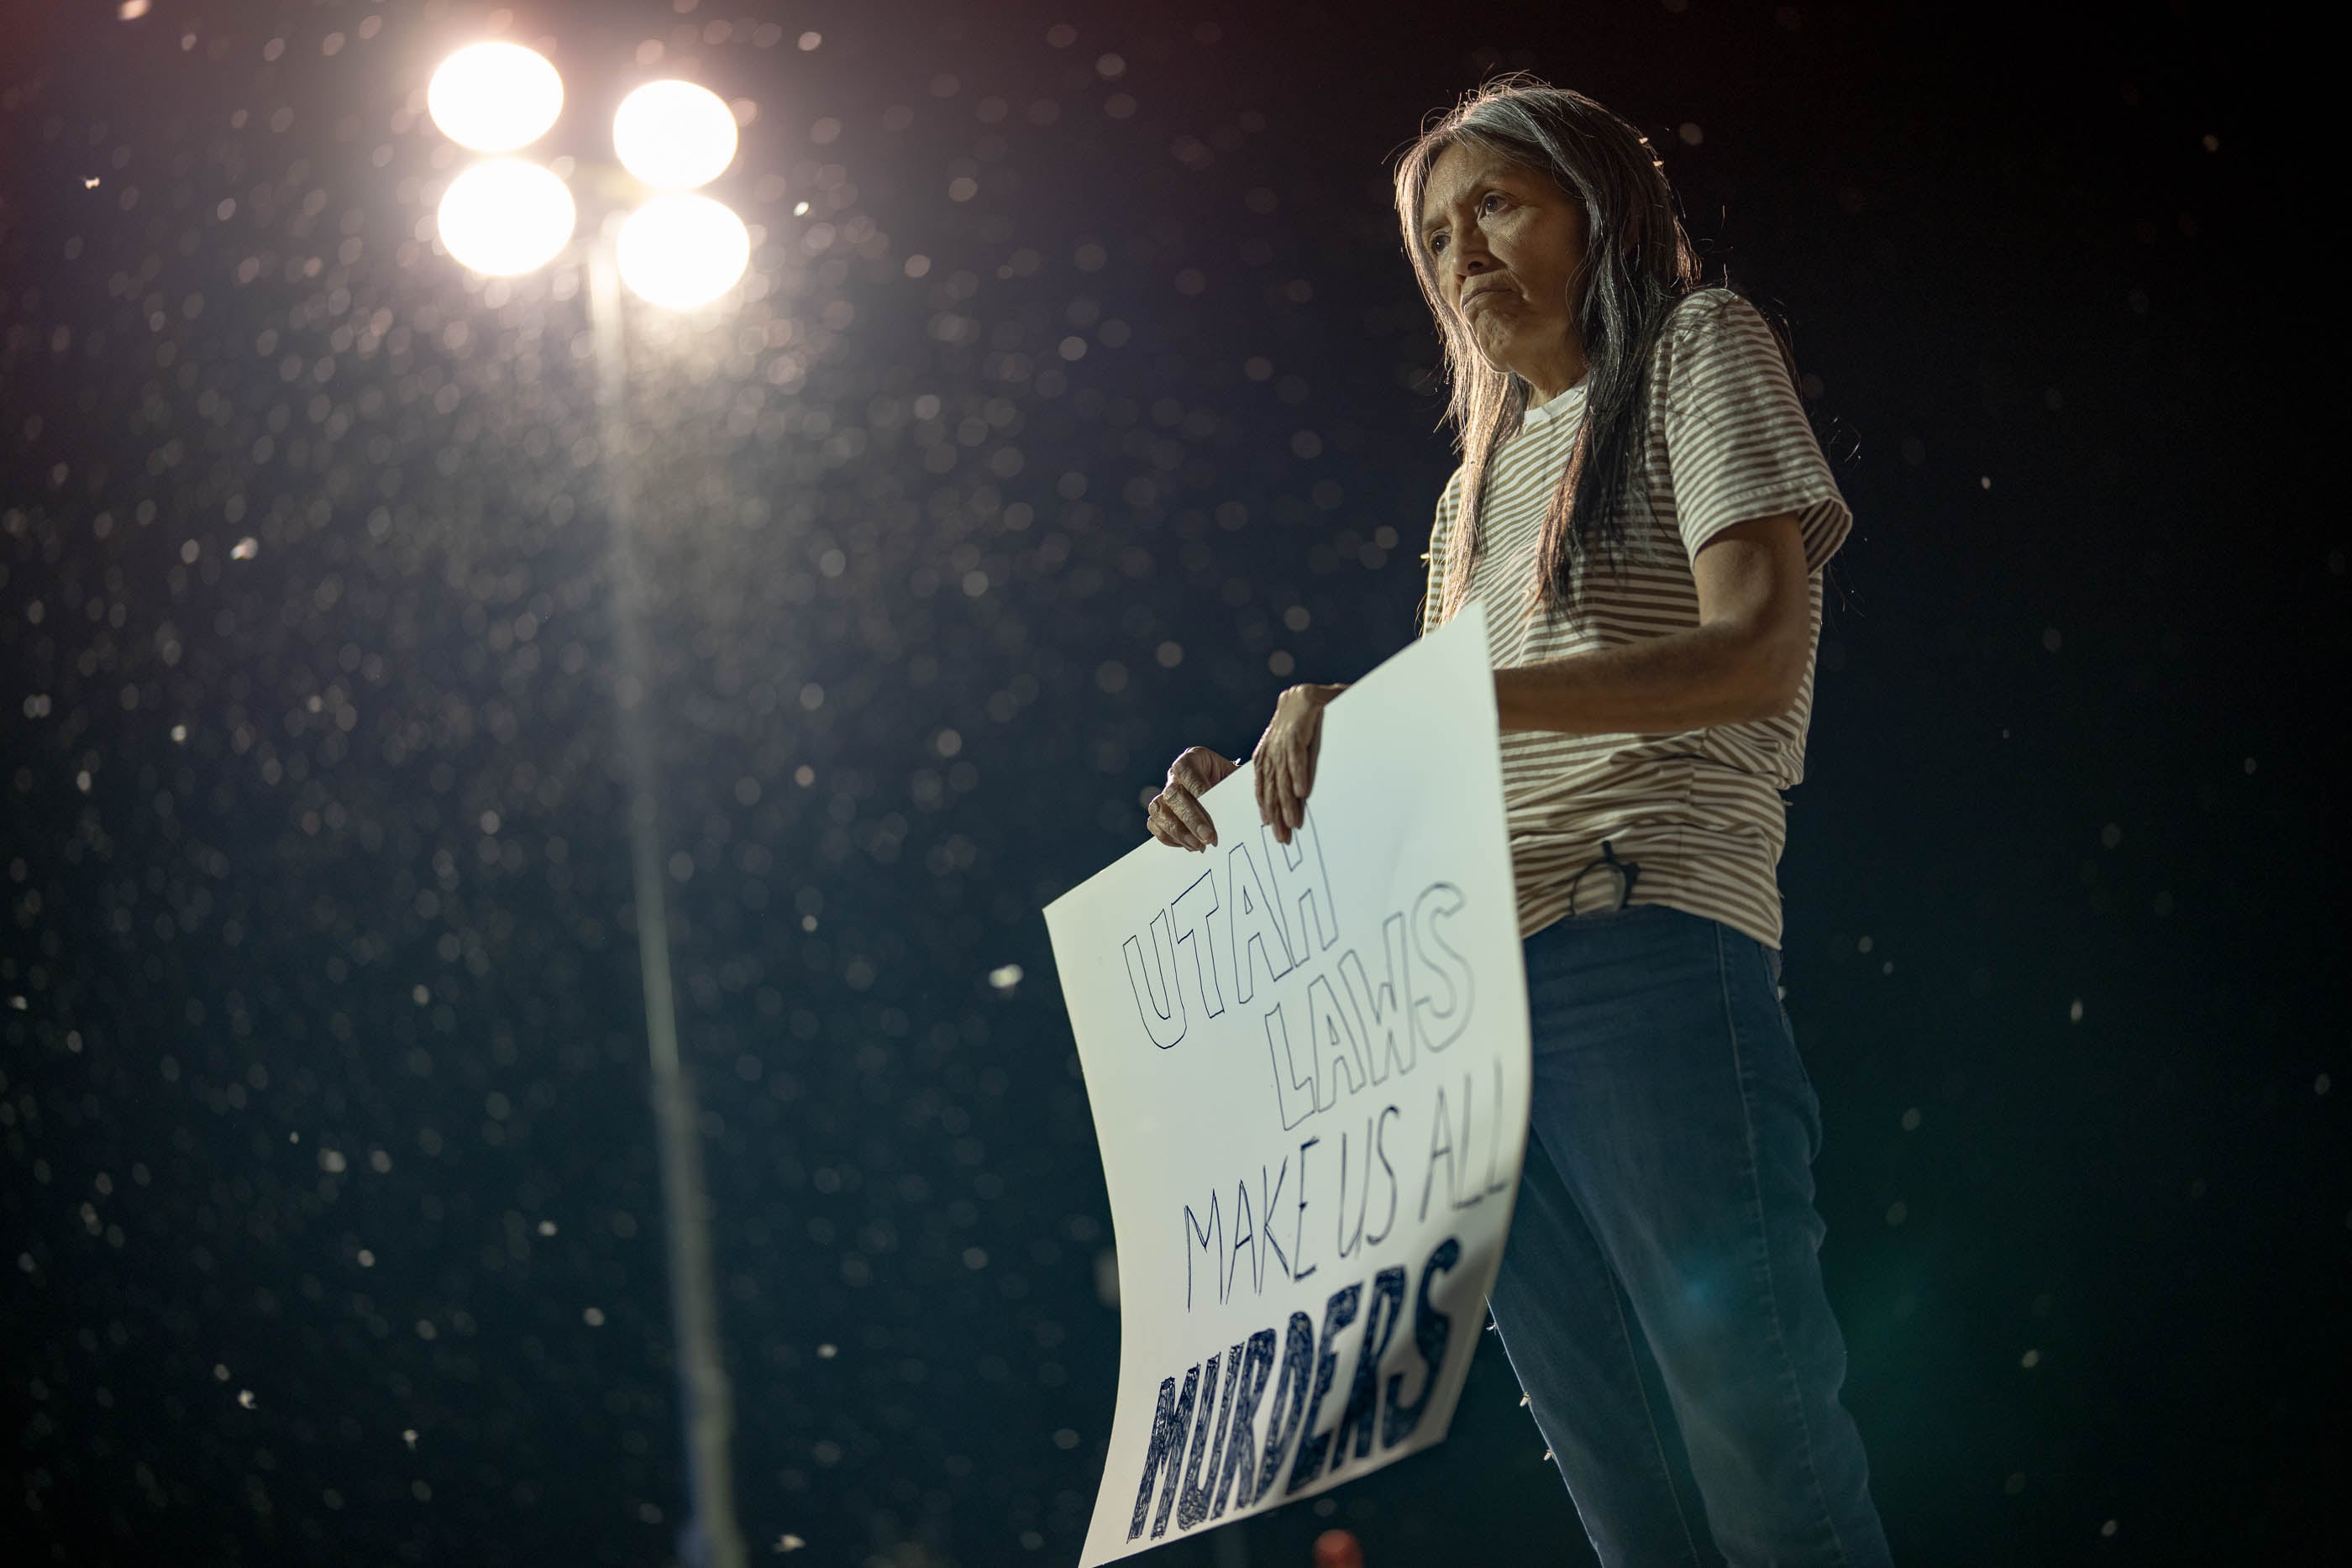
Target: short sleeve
1738, 445
1441, 532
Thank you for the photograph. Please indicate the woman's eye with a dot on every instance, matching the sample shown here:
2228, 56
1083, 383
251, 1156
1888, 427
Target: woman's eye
1491, 196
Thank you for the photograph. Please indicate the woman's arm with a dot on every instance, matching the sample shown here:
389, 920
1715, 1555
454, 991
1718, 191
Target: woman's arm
1744, 659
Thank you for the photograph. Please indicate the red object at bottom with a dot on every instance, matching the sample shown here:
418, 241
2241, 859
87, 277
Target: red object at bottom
1338, 1549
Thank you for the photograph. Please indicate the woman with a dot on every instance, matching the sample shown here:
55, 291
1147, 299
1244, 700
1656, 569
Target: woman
1660, 1296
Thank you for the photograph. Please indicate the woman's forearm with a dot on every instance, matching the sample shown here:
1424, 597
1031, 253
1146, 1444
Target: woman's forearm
1721, 673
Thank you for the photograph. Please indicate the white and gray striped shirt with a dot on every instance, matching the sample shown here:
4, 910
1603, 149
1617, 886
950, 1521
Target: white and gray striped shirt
1699, 810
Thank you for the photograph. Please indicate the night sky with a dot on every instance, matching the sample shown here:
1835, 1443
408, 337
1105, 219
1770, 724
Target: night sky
1079, 400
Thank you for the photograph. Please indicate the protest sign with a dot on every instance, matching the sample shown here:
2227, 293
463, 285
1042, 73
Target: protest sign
1309, 1064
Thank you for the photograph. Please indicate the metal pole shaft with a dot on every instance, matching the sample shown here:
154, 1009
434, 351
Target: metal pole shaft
712, 1538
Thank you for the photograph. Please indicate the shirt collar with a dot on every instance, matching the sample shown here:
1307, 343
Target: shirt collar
1568, 401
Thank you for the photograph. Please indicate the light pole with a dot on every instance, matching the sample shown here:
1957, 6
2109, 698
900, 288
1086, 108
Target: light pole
506, 215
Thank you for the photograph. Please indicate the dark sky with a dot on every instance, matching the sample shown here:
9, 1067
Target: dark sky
333, 1230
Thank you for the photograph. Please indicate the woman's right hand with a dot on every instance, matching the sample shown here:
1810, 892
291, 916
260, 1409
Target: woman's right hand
1175, 815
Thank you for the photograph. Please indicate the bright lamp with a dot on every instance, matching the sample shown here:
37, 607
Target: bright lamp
674, 135
506, 216
683, 251
495, 98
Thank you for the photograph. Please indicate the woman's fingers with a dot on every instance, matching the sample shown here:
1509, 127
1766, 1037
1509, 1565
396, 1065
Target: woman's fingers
1193, 815
1192, 776
1165, 827
1186, 785
1284, 771
1303, 777
1278, 797
1282, 777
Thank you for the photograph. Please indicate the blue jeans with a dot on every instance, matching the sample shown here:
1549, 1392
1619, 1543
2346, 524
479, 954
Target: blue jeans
1660, 1295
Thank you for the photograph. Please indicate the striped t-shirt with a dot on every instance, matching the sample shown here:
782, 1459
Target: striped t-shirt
1698, 811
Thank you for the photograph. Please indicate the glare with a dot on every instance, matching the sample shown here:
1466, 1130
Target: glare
495, 98
674, 135
683, 251
506, 216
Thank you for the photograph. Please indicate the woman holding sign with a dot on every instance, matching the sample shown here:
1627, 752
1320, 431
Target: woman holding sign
1645, 512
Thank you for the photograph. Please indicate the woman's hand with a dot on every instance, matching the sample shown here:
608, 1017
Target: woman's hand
1285, 758
1175, 815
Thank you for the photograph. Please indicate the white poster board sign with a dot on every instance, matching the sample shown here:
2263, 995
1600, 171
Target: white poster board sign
1309, 1066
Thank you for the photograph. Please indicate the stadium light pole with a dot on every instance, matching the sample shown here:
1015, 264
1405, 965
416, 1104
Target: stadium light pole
506, 215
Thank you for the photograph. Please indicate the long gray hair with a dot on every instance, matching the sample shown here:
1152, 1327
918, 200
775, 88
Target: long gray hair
1638, 262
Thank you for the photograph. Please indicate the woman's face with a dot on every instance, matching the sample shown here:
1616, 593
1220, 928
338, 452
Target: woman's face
1505, 243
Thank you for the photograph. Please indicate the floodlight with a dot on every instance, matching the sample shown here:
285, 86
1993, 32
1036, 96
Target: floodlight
683, 251
495, 98
674, 135
506, 216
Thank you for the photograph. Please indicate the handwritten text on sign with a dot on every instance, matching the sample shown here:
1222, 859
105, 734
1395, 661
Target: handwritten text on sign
1309, 1068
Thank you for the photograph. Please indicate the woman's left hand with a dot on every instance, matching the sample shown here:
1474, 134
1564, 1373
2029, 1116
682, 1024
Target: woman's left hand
1284, 762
